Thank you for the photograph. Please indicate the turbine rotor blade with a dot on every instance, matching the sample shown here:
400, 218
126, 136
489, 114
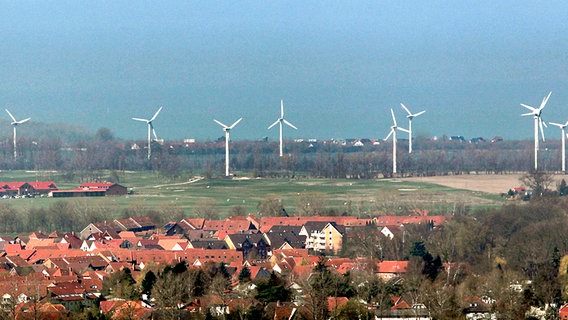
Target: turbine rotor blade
140, 119
281, 108
541, 129
221, 124
419, 113
406, 109
289, 124
23, 121
154, 132
402, 129
528, 114
529, 107
275, 123
393, 118
544, 101
156, 114
234, 124
11, 116
388, 136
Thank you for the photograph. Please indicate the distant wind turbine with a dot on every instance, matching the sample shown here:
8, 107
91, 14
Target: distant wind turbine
410, 116
280, 121
392, 132
14, 124
563, 128
150, 129
538, 123
227, 130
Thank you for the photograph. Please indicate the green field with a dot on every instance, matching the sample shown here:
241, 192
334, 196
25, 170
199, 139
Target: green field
361, 197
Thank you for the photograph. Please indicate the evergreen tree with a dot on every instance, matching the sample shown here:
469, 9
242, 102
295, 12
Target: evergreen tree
244, 275
148, 282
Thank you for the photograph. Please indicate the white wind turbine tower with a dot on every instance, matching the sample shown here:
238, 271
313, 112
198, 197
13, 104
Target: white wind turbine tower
536, 113
410, 116
563, 128
150, 130
14, 124
280, 121
392, 132
227, 130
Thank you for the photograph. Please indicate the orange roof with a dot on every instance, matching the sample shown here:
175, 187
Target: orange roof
44, 254
290, 252
393, 266
32, 243
43, 185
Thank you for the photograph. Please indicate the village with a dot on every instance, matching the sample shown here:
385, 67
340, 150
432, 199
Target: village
60, 273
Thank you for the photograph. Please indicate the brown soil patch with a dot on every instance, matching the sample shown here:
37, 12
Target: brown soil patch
490, 183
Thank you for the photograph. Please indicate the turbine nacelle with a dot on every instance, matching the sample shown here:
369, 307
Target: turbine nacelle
561, 126
225, 127
14, 121
411, 115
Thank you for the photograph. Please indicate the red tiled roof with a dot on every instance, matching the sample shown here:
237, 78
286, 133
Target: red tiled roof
43, 185
392, 266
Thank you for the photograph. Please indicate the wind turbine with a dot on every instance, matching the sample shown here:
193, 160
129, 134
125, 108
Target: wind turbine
392, 132
280, 121
410, 116
563, 128
14, 124
227, 130
150, 129
538, 123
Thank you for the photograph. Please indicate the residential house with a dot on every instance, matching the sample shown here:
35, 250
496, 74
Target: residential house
253, 246
285, 237
388, 270
323, 236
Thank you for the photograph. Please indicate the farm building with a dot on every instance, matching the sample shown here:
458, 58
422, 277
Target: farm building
111, 189
27, 188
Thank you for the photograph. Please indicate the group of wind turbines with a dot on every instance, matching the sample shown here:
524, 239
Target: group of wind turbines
410, 116
535, 112
538, 125
227, 129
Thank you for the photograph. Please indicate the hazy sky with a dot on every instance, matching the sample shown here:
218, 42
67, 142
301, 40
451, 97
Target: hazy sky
339, 65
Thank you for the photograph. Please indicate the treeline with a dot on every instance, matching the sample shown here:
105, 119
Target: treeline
83, 158
74, 215
516, 255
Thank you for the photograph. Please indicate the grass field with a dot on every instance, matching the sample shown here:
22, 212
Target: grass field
356, 196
